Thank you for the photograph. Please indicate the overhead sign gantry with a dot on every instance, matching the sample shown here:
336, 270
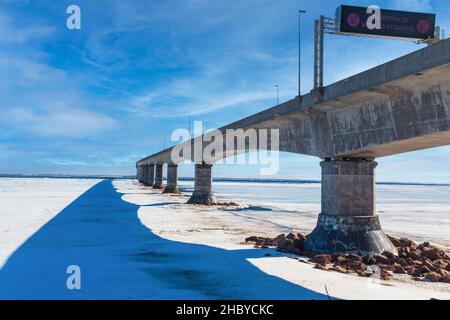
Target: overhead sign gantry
371, 22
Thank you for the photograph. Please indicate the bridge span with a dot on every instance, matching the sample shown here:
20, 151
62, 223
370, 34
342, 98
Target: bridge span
399, 106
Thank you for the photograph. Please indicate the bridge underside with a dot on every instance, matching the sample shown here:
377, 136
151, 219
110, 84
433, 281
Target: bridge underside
397, 107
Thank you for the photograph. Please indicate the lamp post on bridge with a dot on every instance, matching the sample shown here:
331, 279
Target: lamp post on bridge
299, 52
278, 94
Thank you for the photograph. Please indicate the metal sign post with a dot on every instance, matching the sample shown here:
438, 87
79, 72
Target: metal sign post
352, 21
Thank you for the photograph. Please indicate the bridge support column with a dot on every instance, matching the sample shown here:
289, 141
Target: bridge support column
172, 179
139, 173
149, 175
203, 186
347, 223
158, 177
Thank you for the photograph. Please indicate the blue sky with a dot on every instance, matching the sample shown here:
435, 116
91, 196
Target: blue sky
93, 101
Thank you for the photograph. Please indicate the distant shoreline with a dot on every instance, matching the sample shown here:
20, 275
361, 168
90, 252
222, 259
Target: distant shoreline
247, 180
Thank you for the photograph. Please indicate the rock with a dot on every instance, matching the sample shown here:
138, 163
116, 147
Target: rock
295, 236
385, 275
297, 239
429, 265
440, 263
267, 255
357, 266
448, 267
369, 260
433, 276
322, 267
339, 260
426, 244
340, 269
402, 262
404, 242
423, 269
398, 269
432, 253
392, 257
251, 239
409, 260
381, 259
354, 257
365, 274
445, 279
409, 269
415, 273
442, 272
415, 254
386, 267
395, 242
321, 259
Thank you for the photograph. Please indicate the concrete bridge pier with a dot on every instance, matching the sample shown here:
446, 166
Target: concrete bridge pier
149, 175
203, 193
138, 173
172, 179
347, 223
144, 174
158, 176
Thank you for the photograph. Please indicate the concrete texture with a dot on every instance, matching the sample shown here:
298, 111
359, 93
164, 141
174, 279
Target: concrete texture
138, 173
347, 223
158, 177
149, 177
203, 193
399, 106
172, 179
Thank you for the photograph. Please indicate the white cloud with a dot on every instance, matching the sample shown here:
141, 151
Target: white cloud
167, 103
11, 33
64, 122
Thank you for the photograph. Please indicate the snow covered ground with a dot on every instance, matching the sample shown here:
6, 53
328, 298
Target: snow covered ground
132, 242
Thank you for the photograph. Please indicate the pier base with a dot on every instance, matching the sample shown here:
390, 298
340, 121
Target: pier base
203, 193
172, 179
347, 223
139, 173
158, 177
149, 175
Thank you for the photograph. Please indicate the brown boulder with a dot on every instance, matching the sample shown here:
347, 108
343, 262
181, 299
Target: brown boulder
404, 242
415, 254
354, 257
396, 242
433, 276
392, 257
445, 279
398, 269
251, 239
322, 267
381, 259
340, 269
386, 267
369, 260
432, 253
321, 259
423, 269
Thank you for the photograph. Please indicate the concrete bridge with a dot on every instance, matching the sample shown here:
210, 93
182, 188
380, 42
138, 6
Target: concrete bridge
400, 106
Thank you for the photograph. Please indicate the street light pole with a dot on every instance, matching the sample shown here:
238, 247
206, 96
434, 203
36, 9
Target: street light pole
278, 94
299, 51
